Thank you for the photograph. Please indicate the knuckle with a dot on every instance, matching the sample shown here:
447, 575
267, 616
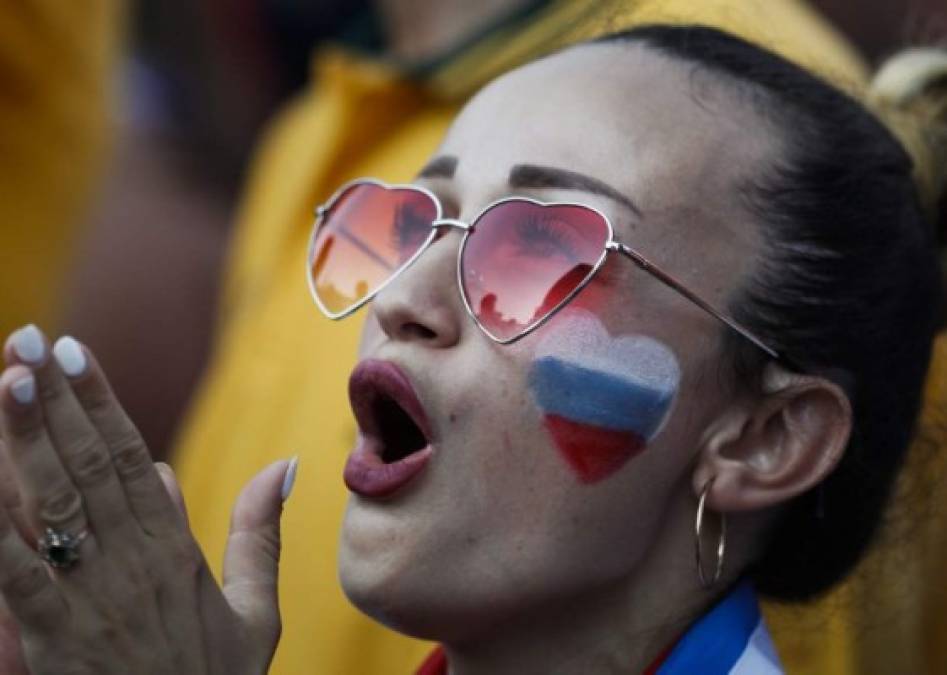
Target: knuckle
60, 507
51, 392
130, 456
26, 581
268, 539
26, 431
98, 402
90, 462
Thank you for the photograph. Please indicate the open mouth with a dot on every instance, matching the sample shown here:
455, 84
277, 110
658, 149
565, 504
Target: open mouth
397, 432
395, 439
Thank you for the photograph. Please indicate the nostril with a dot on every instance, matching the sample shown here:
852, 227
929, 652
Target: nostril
416, 330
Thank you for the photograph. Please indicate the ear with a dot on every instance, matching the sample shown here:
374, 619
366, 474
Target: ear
765, 451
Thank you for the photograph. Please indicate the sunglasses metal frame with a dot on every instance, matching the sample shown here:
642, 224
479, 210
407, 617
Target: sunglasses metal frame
611, 245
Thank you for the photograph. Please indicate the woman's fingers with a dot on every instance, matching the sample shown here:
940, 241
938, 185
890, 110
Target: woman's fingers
80, 448
144, 491
251, 561
100, 446
77, 456
47, 490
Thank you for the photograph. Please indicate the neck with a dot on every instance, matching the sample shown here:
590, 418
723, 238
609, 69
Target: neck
422, 29
622, 628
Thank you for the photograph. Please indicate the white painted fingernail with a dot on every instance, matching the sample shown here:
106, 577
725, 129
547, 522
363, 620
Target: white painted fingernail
290, 478
24, 389
28, 344
69, 355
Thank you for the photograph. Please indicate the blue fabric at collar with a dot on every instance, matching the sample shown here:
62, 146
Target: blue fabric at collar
717, 640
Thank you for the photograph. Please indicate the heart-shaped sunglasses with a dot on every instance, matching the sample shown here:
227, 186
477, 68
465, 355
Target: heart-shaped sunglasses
520, 260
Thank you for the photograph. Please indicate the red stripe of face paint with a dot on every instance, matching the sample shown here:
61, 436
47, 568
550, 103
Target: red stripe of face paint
593, 453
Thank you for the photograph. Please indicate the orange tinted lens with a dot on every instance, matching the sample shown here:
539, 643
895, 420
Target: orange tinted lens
365, 237
522, 260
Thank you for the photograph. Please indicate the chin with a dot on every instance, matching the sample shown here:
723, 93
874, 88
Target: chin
393, 597
400, 582
378, 564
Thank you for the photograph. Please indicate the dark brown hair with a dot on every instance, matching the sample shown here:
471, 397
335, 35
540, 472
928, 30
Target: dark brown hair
847, 284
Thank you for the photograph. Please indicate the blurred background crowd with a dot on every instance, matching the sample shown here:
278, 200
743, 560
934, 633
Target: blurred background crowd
134, 140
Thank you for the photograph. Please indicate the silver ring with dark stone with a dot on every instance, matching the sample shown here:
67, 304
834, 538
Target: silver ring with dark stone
60, 549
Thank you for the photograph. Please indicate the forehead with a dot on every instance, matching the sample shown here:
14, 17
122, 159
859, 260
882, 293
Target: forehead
596, 94
678, 140
658, 129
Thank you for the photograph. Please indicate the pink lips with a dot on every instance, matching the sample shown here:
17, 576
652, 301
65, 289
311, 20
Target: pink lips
365, 473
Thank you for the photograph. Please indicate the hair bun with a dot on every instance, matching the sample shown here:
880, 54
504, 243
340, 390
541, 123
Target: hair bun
910, 74
910, 92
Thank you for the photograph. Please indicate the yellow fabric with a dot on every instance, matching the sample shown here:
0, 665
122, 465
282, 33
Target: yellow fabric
56, 65
277, 383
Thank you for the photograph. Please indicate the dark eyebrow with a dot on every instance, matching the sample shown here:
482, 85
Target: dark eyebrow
439, 167
532, 176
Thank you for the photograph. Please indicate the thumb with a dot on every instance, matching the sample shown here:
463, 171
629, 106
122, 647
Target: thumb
251, 560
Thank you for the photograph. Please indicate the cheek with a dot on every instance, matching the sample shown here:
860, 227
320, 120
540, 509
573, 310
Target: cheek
595, 298
597, 420
602, 398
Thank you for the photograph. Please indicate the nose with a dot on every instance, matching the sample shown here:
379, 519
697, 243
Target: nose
423, 303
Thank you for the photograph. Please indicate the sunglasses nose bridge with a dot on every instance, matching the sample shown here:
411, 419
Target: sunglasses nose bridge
450, 222
417, 302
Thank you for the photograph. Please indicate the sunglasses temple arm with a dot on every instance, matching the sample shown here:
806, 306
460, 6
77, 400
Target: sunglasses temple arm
668, 280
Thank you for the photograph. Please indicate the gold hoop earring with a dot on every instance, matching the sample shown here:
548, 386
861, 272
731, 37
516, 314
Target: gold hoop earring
721, 542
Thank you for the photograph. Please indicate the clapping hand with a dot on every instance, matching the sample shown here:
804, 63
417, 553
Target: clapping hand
117, 583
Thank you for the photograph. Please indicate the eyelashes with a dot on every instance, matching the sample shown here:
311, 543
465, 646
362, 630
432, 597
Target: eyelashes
543, 236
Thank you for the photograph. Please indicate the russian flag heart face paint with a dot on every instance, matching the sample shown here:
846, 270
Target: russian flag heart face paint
603, 398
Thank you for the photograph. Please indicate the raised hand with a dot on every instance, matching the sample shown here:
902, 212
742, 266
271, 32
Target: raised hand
124, 587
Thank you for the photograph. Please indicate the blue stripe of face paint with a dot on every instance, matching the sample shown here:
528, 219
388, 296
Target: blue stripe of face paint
599, 398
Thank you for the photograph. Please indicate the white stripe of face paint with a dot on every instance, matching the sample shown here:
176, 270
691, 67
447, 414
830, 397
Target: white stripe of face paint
579, 337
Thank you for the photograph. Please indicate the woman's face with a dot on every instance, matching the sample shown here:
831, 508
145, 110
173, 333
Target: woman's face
560, 466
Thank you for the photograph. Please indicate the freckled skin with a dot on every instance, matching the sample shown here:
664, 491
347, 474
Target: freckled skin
627, 117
